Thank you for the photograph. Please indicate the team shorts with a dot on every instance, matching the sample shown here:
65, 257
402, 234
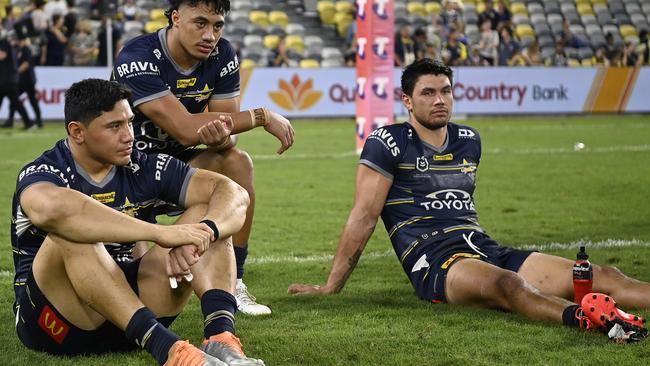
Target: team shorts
41, 327
429, 283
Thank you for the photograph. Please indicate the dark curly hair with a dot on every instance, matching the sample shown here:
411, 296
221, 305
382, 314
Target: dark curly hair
425, 66
219, 6
89, 98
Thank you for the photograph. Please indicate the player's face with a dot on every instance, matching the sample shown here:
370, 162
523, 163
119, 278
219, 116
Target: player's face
199, 29
432, 101
108, 139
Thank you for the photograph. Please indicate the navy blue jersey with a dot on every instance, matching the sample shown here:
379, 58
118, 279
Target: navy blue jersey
146, 67
133, 189
433, 188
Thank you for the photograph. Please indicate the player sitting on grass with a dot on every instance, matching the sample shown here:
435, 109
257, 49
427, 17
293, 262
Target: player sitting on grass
78, 209
420, 176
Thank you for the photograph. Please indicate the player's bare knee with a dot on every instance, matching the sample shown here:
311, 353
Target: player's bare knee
510, 286
239, 161
608, 272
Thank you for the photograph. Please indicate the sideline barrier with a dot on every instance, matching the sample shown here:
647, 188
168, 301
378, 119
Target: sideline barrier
331, 92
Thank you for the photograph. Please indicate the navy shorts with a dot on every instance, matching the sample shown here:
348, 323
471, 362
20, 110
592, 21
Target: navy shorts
429, 282
41, 327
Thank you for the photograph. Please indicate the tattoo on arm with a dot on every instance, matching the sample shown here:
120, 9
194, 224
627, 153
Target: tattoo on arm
260, 116
352, 262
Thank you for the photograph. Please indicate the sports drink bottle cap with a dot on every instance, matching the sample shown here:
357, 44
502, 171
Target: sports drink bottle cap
582, 255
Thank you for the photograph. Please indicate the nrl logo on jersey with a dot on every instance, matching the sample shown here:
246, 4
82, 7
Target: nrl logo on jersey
156, 52
422, 163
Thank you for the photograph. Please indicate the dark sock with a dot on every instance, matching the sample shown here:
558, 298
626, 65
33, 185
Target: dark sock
240, 258
569, 316
218, 309
146, 332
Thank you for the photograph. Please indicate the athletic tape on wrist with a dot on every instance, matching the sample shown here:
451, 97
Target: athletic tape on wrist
252, 118
212, 226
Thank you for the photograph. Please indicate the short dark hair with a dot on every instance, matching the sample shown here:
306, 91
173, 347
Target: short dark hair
425, 66
219, 6
87, 99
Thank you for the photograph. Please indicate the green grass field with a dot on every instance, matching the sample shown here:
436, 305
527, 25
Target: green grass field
533, 190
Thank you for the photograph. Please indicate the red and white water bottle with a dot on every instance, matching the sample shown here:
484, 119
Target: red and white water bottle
583, 276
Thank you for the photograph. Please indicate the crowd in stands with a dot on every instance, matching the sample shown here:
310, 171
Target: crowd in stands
522, 33
61, 32
474, 32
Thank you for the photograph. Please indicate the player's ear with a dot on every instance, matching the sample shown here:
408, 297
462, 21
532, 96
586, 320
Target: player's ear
407, 102
175, 16
76, 131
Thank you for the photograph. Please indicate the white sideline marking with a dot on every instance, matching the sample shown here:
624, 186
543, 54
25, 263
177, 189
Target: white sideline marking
534, 151
608, 243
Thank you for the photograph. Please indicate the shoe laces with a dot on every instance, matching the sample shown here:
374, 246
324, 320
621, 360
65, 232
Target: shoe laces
229, 340
583, 320
244, 296
186, 354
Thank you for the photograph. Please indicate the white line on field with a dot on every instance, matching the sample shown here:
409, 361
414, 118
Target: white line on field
608, 243
534, 151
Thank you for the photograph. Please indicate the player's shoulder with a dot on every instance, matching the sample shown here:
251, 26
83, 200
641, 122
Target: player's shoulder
392, 137
146, 47
55, 161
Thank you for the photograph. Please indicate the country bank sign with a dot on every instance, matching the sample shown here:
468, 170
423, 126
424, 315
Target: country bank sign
332, 92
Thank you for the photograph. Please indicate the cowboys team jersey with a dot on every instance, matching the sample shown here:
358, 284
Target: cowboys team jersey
432, 191
145, 66
133, 189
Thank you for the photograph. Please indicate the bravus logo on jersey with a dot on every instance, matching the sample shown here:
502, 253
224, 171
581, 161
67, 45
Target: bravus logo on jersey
135, 67
386, 139
450, 199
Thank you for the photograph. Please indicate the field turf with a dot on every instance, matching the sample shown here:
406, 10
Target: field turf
534, 191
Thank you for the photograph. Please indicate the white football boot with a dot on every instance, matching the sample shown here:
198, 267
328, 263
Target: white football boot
246, 303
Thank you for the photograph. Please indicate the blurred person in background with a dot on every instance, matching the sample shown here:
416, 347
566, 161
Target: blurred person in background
452, 15
26, 81
630, 58
54, 43
102, 56
454, 51
404, 46
488, 43
643, 49
600, 57
83, 45
490, 14
9, 79
279, 55
531, 55
508, 47
504, 16
559, 57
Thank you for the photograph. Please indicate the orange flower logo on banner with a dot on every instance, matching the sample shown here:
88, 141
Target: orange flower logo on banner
296, 95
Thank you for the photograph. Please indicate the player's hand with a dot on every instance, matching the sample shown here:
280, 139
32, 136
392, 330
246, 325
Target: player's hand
306, 289
281, 128
180, 259
198, 235
216, 133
